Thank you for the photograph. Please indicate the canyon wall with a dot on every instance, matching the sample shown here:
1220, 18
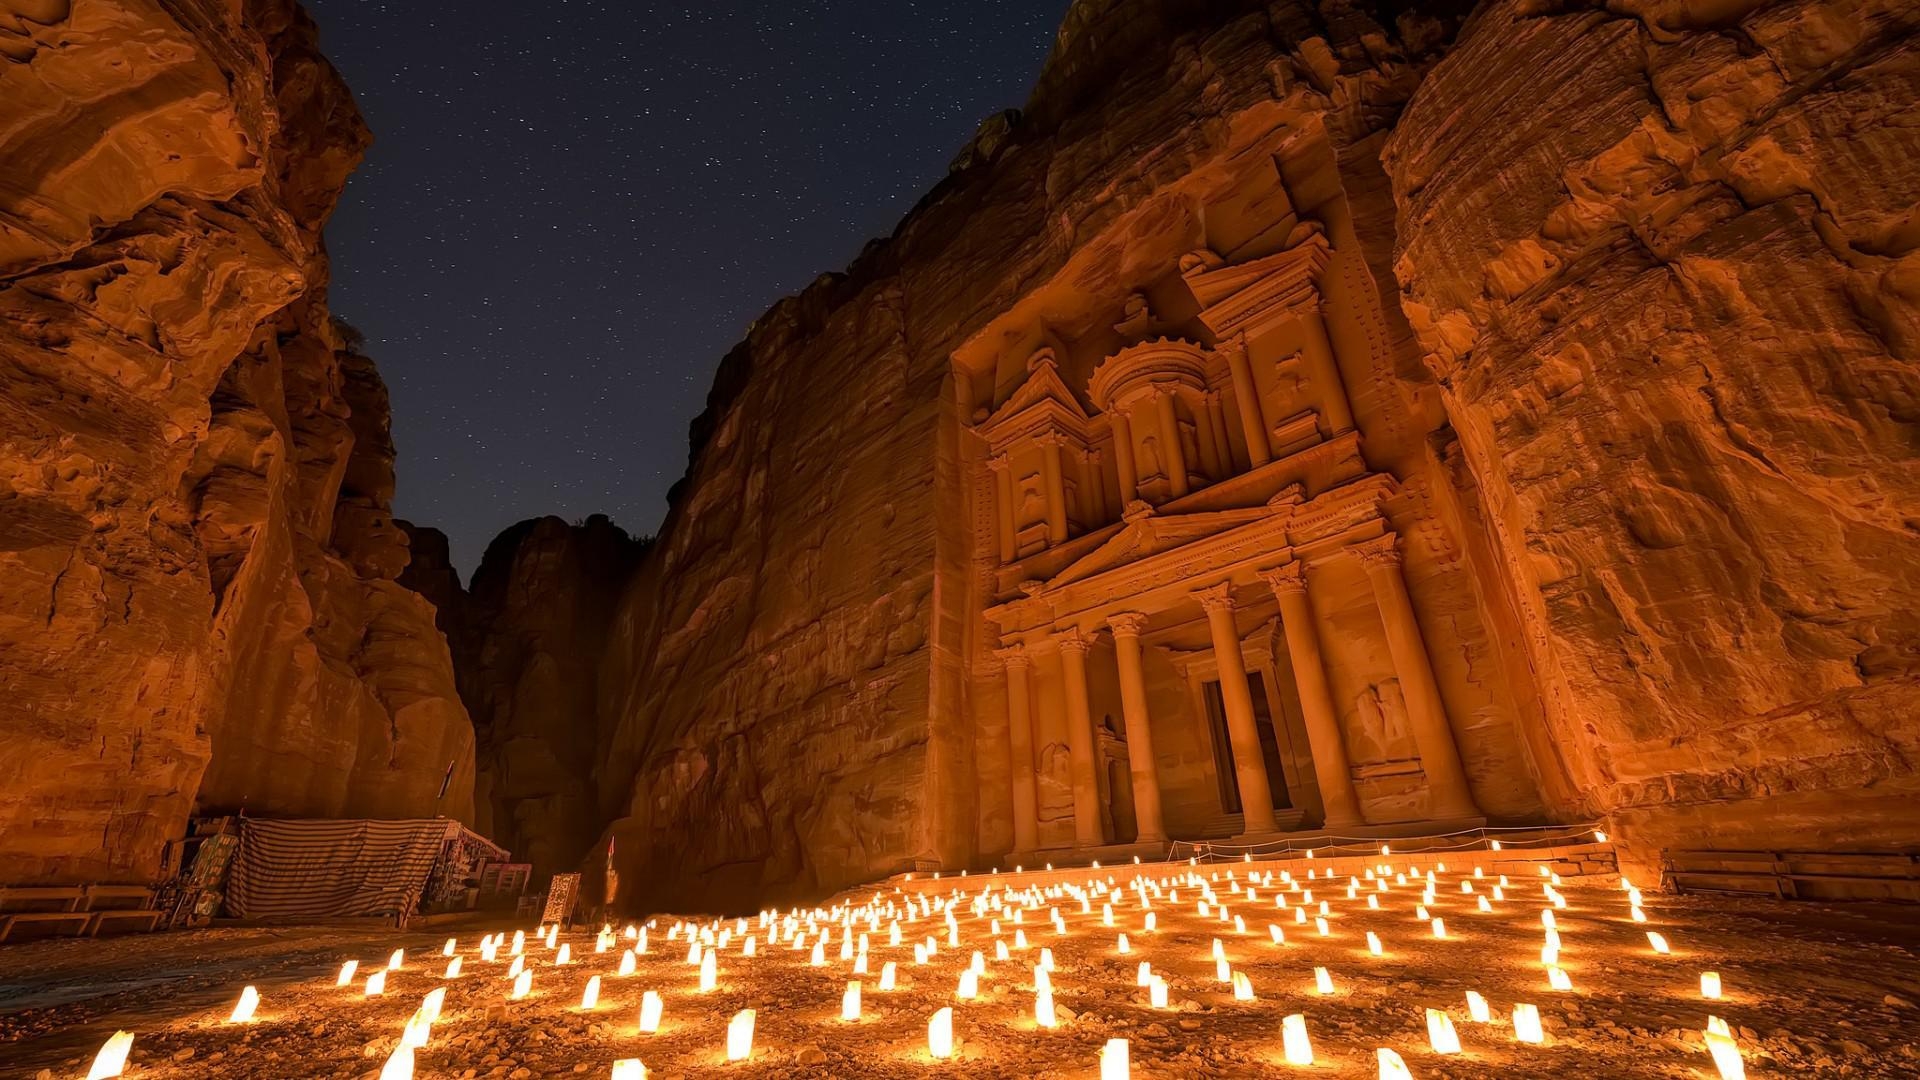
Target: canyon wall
528, 640
1642, 372
790, 671
1662, 261
199, 603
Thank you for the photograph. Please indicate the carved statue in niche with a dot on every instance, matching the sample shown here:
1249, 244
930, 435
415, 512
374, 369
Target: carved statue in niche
1190, 444
1116, 782
1033, 501
1148, 455
1056, 783
1381, 733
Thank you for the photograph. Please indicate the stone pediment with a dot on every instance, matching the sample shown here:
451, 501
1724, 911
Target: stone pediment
1146, 535
1248, 297
1041, 403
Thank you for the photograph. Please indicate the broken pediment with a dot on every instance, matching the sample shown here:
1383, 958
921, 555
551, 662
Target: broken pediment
1250, 297
1040, 404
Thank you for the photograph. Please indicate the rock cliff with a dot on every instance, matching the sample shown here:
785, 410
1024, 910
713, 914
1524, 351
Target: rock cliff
1643, 364
529, 638
1662, 259
195, 468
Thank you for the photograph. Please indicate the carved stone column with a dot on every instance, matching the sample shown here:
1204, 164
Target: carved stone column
1123, 456
1133, 704
1080, 744
1324, 369
1246, 396
1003, 485
1449, 794
1217, 421
1173, 457
1249, 764
1026, 794
1093, 488
1055, 479
1330, 766
1210, 462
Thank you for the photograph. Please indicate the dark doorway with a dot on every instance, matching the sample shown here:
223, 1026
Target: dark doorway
1223, 744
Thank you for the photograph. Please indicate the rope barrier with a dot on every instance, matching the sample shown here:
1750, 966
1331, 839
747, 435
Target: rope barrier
1336, 846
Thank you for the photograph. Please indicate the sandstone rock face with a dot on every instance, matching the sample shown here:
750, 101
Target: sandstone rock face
1623, 305
529, 639
194, 469
1662, 261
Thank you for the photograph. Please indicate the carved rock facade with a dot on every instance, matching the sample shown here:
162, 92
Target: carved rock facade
1290, 422
195, 469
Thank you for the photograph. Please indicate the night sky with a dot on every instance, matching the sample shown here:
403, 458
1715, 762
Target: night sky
573, 208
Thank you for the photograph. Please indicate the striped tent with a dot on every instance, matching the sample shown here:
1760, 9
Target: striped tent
333, 869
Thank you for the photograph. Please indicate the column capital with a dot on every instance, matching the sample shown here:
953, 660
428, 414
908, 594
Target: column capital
1051, 438
1287, 578
1014, 656
1381, 551
1127, 624
1216, 597
999, 462
1072, 640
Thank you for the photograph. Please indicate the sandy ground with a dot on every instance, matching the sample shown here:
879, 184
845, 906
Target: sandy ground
1811, 990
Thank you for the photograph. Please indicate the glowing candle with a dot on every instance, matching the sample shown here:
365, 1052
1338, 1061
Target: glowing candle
1714, 1023
1293, 1036
1043, 1006
748, 944
243, 1009
940, 1034
1559, 979
1439, 928
112, 1058
1120, 945
1000, 950
850, 1001
969, 985
1320, 924
1221, 972
418, 1030
591, 995
1322, 980
1477, 1008
399, 957
740, 1036
1046, 959
1145, 975
1150, 921
1726, 1056
346, 973
650, 1008
1278, 935
1440, 1033
1638, 915
519, 943
399, 1064
453, 969
629, 1069
1710, 984
1392, 1065
1242, 986
819, 957
376, 984
1526, 1024
522, 985
709, 971
1113, 1060
1484, 906
627, 962
1658, 942
519, 965
1157, 992
1019, 938
1373, 943
694, 952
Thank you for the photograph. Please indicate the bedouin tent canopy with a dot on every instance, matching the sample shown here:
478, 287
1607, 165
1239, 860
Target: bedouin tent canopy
333, 869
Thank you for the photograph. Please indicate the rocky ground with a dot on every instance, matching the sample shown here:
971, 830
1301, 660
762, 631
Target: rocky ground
1811, 990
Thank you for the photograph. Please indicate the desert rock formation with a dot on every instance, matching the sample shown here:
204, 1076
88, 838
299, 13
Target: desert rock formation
195, 469
528, 640
1620, 303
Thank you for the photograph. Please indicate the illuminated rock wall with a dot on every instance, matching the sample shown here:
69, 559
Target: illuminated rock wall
197, 557
1663, 265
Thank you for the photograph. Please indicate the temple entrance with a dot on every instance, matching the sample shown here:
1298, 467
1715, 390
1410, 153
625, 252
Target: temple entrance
1223, 744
